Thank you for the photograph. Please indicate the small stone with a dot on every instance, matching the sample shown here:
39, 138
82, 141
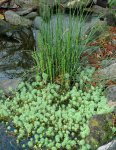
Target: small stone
14, 19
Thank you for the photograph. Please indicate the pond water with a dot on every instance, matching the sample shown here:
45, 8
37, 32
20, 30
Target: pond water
16, 47
15, 53
7, 141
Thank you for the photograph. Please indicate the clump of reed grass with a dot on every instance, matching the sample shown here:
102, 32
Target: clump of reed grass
59, 50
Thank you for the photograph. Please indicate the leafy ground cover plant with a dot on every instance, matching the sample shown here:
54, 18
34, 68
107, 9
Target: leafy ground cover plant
49, 116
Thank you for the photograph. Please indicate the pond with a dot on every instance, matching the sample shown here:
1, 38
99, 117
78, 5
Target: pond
7, 141
16, 47
15, 53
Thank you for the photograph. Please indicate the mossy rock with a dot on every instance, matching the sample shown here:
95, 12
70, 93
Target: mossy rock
100, 130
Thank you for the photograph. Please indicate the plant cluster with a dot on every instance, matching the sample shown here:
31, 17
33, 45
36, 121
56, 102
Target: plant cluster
112, 3
61, 44
50, 117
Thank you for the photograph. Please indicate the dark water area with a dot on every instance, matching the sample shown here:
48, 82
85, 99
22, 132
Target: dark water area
16, 47
7, 141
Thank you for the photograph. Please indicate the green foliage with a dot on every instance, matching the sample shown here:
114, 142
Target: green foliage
112, 3
60, 46
52, 117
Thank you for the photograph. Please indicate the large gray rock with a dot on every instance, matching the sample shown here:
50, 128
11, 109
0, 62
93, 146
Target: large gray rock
108, 73
110, 146
111, 93
4, 26
108, 62
100, 130
111, 96
14, 19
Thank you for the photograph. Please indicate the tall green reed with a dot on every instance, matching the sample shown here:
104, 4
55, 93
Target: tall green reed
60, 47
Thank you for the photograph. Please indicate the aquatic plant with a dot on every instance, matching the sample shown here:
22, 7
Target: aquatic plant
49, 116
60, 46
112, 3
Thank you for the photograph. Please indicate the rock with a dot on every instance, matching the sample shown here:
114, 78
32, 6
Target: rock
37, 3
64, 3
111, 96
111, 93
15, 19
99, 28
31, 15
17, 37
110, 146
99, 10
24, 11
102, 3
100, 130
53, 2
114, 42
76, 3
108, 62
27, 3
108, 73
37, 23
111, 19
9, 85
4, 26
